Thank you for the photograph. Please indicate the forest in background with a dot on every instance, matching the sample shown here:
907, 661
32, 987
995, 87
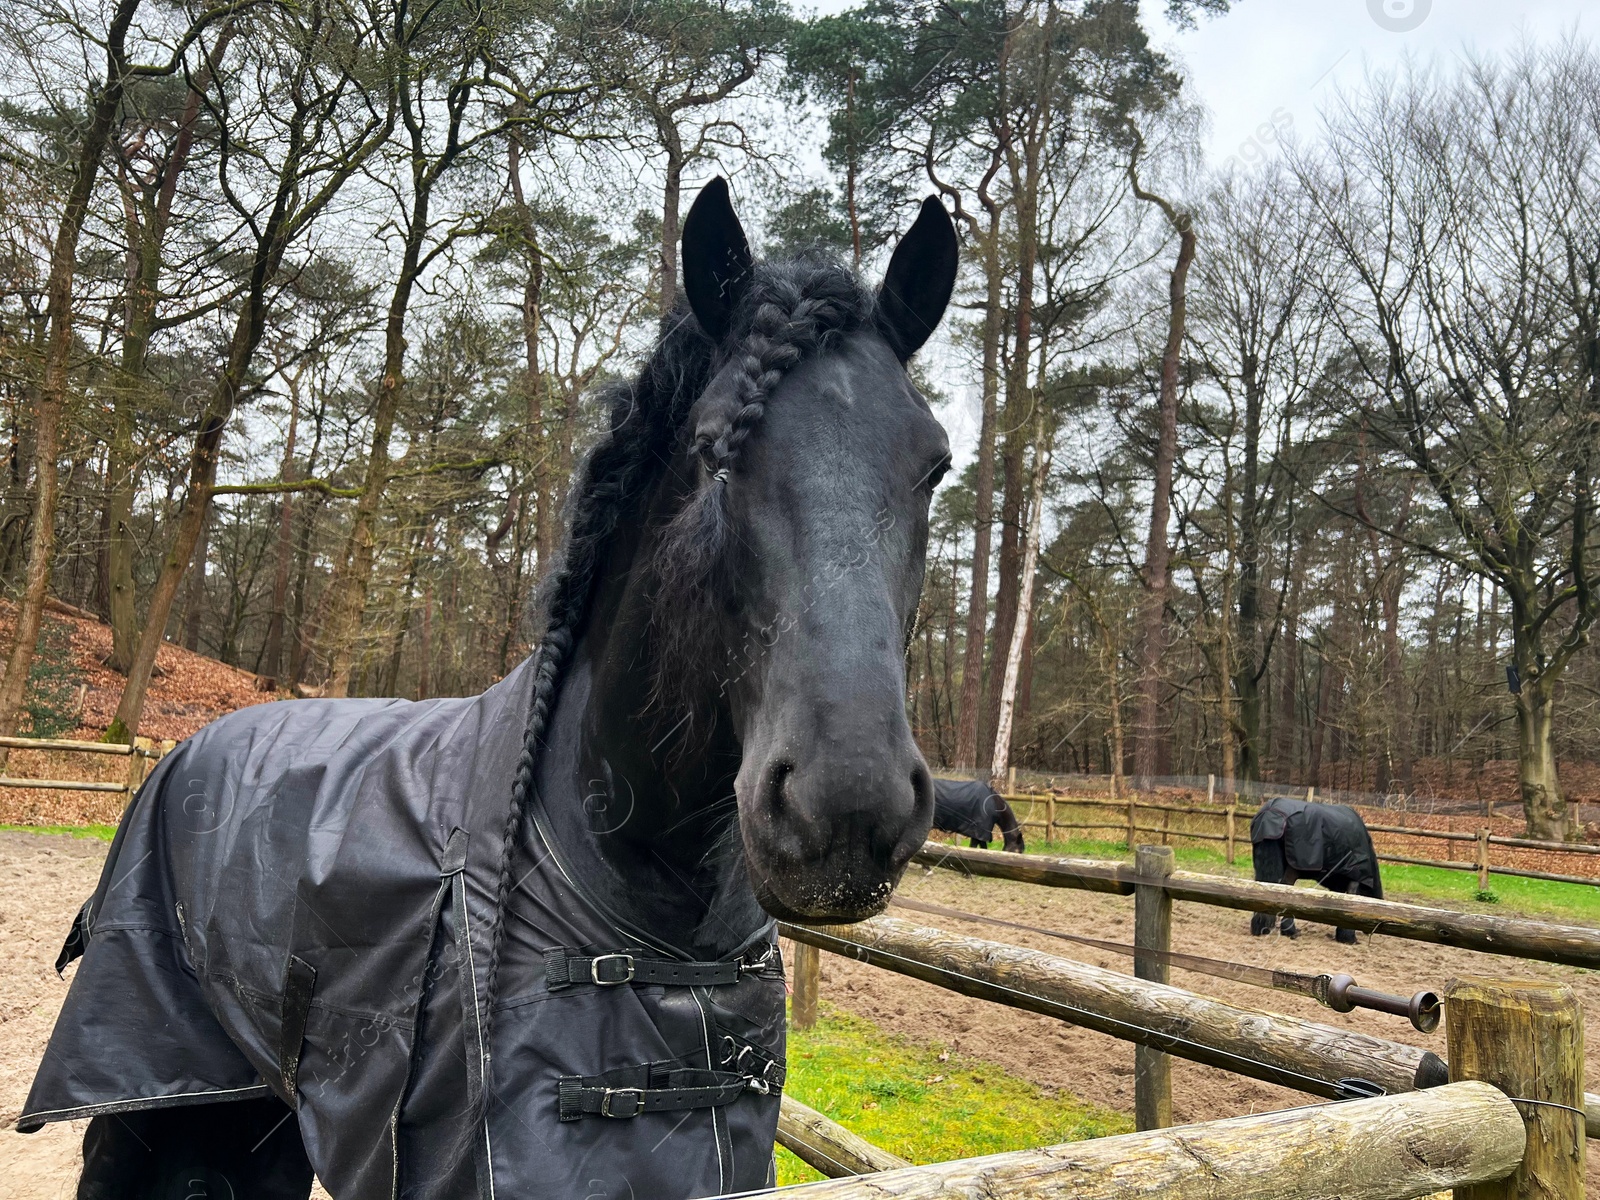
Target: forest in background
1281, 471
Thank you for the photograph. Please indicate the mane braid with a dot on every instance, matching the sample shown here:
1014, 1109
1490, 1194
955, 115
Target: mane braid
794, 311
787, 310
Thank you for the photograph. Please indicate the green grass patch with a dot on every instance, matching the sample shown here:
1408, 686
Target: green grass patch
104, 832
1533, 897
922, 1102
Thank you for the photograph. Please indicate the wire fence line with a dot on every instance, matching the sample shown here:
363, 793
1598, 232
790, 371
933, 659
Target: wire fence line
1396, 800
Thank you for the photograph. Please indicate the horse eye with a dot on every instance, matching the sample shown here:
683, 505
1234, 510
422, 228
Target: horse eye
937, 473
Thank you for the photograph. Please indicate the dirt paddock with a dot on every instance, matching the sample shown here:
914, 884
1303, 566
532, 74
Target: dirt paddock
44, 878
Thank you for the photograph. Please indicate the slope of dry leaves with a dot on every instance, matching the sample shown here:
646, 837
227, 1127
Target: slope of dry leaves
188, 691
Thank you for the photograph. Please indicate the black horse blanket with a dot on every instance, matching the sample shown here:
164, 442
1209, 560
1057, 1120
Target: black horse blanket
965, 807
1325, 842
299, 901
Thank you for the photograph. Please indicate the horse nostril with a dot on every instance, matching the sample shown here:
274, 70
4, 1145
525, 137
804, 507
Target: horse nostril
777, 780
921, 786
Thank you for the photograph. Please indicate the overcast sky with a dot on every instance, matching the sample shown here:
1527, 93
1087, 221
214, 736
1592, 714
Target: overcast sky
1286, 57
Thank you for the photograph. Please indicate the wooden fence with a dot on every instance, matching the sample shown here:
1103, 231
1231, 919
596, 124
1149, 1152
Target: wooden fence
1230, 825
1505, 1033
1389, 1148
140, 756
1525, 1039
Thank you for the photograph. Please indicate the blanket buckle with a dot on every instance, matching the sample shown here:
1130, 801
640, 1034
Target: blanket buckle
594, 973
635, 1099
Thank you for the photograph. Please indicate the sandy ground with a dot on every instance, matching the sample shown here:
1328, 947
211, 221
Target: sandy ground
44, 878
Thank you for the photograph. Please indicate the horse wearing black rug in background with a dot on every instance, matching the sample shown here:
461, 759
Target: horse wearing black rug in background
1292, 839
318, 918
971, 809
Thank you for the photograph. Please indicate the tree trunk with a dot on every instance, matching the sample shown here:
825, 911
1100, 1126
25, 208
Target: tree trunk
1020, 400
388, 682
983, 520
544, 487
851, 156
671, 197
305, 634
195, 603
1019, 635
1152, 620
1543, 806
273, 654
52, 394
1247, 648
425, 649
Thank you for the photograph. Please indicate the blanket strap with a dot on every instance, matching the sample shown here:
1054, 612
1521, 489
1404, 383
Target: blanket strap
761, 1071
654, 1087
299, 981
611, 970
562, 968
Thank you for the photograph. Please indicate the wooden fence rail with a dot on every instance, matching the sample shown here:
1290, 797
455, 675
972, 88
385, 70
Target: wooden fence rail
140, 755
1390, 1148
828, 1146
1289, 1051
1568, 944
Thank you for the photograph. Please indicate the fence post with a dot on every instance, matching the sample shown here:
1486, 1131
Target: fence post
138, 762
1131, 822
1233, 808
1311, 794
807, 983
1152, 930
1211, 789
1483, 860
1011, 780
1050, 817
1527, 1040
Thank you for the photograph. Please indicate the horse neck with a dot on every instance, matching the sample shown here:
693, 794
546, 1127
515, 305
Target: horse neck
645, 814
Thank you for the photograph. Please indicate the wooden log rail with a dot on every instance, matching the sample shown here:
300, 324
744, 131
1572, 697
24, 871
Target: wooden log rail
139, 755
1289, 1051
1390, 1148
828, 1146
1284, 1050
1570, 945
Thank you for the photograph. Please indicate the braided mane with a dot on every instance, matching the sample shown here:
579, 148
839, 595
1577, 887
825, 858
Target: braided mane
788, 311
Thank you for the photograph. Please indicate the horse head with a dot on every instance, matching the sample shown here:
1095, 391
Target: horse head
791, 566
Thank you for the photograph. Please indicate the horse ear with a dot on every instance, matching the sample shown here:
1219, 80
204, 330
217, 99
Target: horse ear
716, 258
921, 276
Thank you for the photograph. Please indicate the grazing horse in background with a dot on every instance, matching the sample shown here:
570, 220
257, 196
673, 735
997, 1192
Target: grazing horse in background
1292, 839
522, 943
971, 808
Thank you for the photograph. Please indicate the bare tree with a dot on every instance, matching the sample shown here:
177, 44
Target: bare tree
1460, 219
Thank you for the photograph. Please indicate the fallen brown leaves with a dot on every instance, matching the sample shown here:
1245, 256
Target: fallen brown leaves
188, 691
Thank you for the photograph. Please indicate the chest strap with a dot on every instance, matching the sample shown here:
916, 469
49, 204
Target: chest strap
562, 969
655, 1087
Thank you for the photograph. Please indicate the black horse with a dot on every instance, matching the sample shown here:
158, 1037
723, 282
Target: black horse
1291, 839
318, 918
971, 808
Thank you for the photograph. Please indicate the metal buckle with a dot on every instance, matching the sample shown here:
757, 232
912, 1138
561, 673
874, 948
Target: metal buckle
756, 966
594, 972
636, 1095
